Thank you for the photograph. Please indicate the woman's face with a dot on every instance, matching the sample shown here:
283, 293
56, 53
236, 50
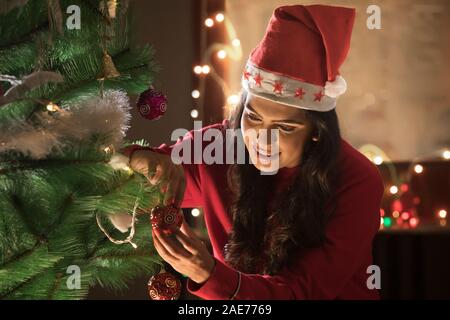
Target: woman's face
293, 131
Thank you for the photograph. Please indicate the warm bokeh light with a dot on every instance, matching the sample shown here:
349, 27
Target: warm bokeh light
387, 222
413, 222
195, 212
195, 94
52, 107
220, 17
404, 187
378, 160
221, 54
405, 215
209, 22
206, 69
194, 113
198, 69
442, 214
233, 99
446, 154
418, 168
236, 42
393, 189
396, 214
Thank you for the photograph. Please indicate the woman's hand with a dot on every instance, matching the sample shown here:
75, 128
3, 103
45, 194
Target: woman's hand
159, 169
191, 258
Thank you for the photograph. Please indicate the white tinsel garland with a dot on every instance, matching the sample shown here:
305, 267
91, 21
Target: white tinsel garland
108, 116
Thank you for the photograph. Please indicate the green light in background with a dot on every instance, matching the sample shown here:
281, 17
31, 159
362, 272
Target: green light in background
387, 222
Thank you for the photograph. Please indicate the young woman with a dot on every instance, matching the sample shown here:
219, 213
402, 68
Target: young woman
305, 232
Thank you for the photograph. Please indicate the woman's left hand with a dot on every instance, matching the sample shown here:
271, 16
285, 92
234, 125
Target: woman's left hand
192, 259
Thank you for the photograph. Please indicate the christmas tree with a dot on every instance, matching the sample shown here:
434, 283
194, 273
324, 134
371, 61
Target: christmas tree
66, 193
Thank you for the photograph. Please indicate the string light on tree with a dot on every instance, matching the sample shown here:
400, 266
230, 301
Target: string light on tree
52, 107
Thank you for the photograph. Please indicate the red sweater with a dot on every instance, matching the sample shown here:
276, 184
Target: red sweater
336, 270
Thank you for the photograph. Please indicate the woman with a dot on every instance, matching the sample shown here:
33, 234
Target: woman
306, 231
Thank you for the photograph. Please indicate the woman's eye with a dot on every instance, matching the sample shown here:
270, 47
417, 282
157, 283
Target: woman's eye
252, 117
286, 129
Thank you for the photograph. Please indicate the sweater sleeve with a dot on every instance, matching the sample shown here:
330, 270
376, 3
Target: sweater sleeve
192, 194
318, 273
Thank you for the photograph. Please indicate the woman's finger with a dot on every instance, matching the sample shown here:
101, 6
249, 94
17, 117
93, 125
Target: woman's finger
165, 178
162, 251
150, 169
187, 230
187, 243
171, 246
155, 175
172, 186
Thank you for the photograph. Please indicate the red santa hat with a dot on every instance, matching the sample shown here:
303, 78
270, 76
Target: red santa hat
297, 62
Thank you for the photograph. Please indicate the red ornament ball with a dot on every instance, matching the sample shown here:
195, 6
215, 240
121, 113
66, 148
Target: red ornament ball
164, 286
152, 104
166, 219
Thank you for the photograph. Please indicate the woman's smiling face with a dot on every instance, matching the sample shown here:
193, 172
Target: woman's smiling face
293, 131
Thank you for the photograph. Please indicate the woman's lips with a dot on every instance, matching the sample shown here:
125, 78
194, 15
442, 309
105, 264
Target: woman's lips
265, 157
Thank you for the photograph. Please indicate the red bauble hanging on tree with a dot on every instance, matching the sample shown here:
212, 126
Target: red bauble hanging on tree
166, 219
152, 104
164, 286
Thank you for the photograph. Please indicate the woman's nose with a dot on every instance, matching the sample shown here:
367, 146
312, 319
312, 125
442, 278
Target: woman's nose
267, 137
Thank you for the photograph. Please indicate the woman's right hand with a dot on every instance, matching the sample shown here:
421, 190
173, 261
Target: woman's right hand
159, 169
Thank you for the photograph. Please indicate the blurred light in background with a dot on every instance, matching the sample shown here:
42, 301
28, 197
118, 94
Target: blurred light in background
194, 113
195, 94
195, 212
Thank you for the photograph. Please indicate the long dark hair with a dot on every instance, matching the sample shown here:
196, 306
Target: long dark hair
299, 211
